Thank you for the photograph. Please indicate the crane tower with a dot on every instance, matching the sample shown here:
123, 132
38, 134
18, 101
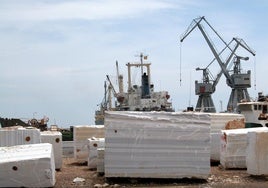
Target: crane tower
238, 81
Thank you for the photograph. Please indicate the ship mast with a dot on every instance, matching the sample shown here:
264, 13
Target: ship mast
141, 56
139, 64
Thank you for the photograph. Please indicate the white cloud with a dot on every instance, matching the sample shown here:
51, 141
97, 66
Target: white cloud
88, 10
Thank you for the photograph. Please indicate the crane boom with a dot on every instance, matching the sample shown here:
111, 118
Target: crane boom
197, 23
239, 82
117, 71
242, 43
110, 84
239, 42
192, 26
225, 65
119, 79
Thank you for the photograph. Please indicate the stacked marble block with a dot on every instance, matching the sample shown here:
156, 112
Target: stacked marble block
257, 152
238, 147
54, 138
68, 149
22, 146
13, 136
218, 123
100, 160
157, 145
93, 145
81, 134
233, 148
27, 166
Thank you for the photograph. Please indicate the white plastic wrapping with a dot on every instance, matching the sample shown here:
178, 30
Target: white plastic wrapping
27, 166
257, 152
94, 144
54, 138
81, 133
157, 144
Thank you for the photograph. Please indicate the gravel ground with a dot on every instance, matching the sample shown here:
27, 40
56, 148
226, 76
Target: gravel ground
218, 178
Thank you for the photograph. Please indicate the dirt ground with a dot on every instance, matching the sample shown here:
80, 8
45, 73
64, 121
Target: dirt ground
218, 178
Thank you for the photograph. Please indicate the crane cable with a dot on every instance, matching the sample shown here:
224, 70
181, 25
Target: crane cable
180, 60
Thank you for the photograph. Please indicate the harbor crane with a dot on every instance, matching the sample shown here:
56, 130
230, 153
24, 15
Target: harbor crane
207, 87
238, 81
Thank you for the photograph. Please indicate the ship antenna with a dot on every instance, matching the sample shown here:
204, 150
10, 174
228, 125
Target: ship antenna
255, 75
141, 56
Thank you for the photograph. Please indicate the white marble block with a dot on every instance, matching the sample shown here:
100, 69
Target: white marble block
94, 144
68, 148
27, 166
100, 160
157, 144
19, 136
218, 123
54, 138
233, 148
81, 135
234, 145
257, 152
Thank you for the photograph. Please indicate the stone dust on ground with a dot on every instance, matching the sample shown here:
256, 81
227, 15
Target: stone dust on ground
73, 174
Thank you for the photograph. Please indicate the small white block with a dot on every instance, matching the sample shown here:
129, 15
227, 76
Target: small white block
27, 166
54, 138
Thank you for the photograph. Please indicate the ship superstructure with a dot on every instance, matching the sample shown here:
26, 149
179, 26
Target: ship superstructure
137, 97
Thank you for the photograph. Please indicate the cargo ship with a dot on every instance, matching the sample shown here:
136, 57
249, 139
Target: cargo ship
137, 97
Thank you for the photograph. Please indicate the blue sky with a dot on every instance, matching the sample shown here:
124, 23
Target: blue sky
54, 55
